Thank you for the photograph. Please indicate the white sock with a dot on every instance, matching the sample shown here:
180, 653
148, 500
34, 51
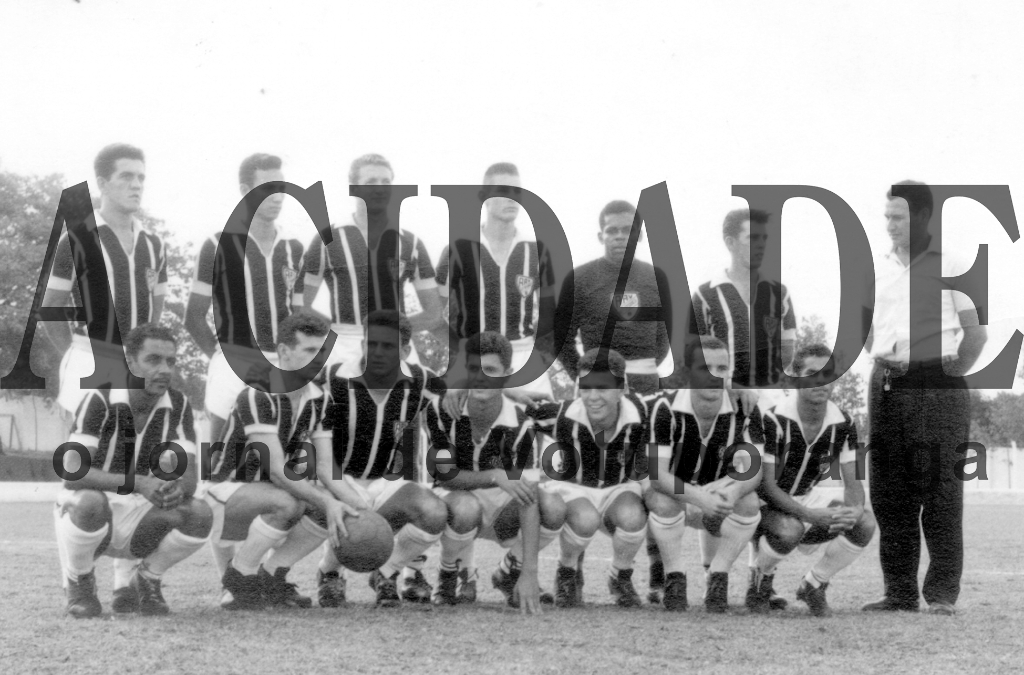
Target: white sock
329, 561
668, 532
410, 541
469, 558
262, 537
80, 546
736, 532
223, 552
62, 552
767, 557
124, 569
173, 548
625, 546
303, 539
454, 545
839, 554
571, 546
708, 547
752, 553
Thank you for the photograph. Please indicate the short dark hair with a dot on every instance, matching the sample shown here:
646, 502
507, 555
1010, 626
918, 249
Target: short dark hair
815, 350
261, 161
136, 338
303, 321
603, 361
490, 342
369, 159
106, 160
391, 318
612, 208
734, 220
498, 168
704, 342
917, 194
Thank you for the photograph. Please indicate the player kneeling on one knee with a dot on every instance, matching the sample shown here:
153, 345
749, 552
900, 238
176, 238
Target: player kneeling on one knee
600, 435
806, 436
373, 415
708, 468
158, 520
259, 497
494, 491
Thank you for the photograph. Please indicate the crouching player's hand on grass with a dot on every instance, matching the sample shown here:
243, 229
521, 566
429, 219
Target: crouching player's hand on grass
528, 589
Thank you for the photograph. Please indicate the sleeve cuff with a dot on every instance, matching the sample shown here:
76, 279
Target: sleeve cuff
424, 284
87, 440
259, 429
202, 288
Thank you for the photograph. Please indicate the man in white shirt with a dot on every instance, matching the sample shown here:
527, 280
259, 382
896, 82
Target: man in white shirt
919, 418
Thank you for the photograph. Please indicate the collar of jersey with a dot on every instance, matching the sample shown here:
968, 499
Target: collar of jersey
311, 390
121, 396
506, 418
628, 414
722, 278
789, 408
683, 402
518, 237
136, 225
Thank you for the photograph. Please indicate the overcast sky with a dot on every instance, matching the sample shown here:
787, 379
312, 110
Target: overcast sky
593, 101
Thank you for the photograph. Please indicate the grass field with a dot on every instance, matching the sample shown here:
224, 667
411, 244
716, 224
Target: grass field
985, 637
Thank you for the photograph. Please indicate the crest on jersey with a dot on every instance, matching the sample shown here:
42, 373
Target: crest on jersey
525, 285
771, 324
396, 267
290, 276
628, 305
151, 278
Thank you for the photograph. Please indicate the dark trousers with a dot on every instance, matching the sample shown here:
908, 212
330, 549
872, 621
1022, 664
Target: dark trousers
916, 434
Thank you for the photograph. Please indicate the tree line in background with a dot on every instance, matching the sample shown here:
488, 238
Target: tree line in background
27, 208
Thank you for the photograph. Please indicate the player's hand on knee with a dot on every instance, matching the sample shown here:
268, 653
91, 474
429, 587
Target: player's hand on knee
152, 488
173, 494
520, 490
714, 505
823, 518
846, 518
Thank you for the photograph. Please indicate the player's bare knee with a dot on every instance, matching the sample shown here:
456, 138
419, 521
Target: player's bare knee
661, 505
89, 510
429, 512
747, 505
283, 510
584, 521
784, 533
464, 511
864, 530
628, 513
552, 510
198, 518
